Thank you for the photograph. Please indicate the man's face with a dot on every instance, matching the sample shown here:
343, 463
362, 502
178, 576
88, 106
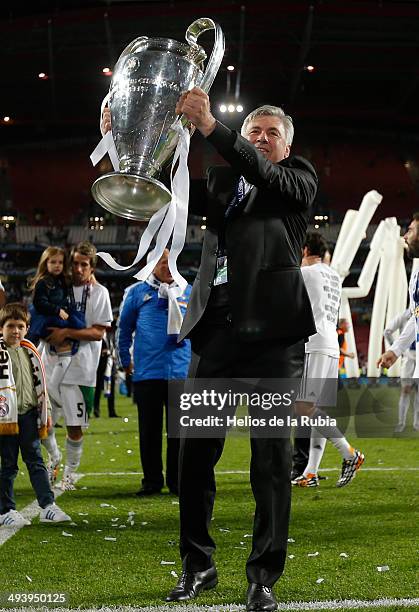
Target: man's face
14, 331
268, 135
161, 271
81, 269
412, 239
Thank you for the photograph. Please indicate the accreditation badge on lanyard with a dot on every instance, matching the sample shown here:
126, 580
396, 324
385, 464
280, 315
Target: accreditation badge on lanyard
221, 271
221, 268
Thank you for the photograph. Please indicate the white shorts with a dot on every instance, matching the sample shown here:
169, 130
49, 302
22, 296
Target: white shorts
407, 368
319, 369
73, 407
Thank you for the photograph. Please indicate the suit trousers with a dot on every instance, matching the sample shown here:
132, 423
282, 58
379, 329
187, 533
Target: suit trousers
221, 355
151, 397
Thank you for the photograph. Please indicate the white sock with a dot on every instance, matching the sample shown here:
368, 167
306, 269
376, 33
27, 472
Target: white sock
57, 376
404, 403
416, 411
335, 436
51, 445
317, 446
74, 449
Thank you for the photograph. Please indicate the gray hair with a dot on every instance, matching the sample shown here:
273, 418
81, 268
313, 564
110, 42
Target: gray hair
272, 111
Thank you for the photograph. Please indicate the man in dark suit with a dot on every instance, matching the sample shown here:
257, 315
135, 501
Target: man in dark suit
248, 308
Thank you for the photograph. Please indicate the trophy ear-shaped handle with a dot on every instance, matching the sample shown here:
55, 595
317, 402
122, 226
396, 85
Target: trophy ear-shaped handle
192, 33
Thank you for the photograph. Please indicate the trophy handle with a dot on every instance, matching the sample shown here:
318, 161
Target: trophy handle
192, 33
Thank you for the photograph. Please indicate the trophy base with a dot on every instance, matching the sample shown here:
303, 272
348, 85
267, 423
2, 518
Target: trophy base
129, 195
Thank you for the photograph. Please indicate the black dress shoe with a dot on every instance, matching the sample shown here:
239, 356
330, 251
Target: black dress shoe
260, 597
192, 583
144, 491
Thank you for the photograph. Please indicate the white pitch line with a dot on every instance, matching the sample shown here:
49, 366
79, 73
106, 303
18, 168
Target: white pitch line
29, 512
298, 606
226, 472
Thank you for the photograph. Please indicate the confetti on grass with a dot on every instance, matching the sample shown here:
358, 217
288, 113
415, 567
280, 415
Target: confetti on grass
67, 535
167, 562
383, 568
319, 580
108, 539
316, 554
29, 578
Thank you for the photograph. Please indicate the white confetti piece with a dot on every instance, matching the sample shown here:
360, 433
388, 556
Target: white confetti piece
83, 513
344, 555
319, 580
126, 421
99, 530
122, 527
248, 535
144, 523
131, 513
173, 573
43, 542
224, 530
291, 540
29, 578
383, 568
108, 539
240, 547
85, 521
291, 556
105, 505
112, 459
67, 535
175, 503
83, 489
167, 562
129, 451
241, 543
316, 554
117, 446
115, 520
73, 524
114, 507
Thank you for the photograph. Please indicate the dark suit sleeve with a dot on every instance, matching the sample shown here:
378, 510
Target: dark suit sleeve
294, 179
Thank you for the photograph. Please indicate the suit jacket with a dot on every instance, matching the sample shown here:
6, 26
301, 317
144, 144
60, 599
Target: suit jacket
267, 294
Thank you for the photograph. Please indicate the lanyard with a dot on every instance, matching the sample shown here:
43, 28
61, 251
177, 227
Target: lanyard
85, 295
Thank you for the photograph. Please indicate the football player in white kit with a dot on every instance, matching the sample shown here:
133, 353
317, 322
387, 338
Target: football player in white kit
407, 369
77, 384
321, 365
410, 331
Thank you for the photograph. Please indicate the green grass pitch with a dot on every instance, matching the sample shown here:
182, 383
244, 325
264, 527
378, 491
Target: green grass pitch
373, 521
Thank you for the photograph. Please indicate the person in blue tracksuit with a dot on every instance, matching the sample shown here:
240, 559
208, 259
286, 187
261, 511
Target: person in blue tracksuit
153, 316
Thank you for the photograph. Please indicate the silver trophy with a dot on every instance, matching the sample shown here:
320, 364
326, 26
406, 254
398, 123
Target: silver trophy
147, 81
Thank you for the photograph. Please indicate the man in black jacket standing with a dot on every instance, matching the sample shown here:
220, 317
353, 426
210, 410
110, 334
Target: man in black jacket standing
248, 308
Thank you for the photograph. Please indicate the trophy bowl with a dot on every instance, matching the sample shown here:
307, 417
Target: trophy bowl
147, 81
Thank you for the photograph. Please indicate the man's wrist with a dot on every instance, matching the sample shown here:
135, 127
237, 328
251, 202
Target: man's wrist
208, 127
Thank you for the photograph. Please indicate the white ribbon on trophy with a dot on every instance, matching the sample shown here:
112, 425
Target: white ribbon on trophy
169, 222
